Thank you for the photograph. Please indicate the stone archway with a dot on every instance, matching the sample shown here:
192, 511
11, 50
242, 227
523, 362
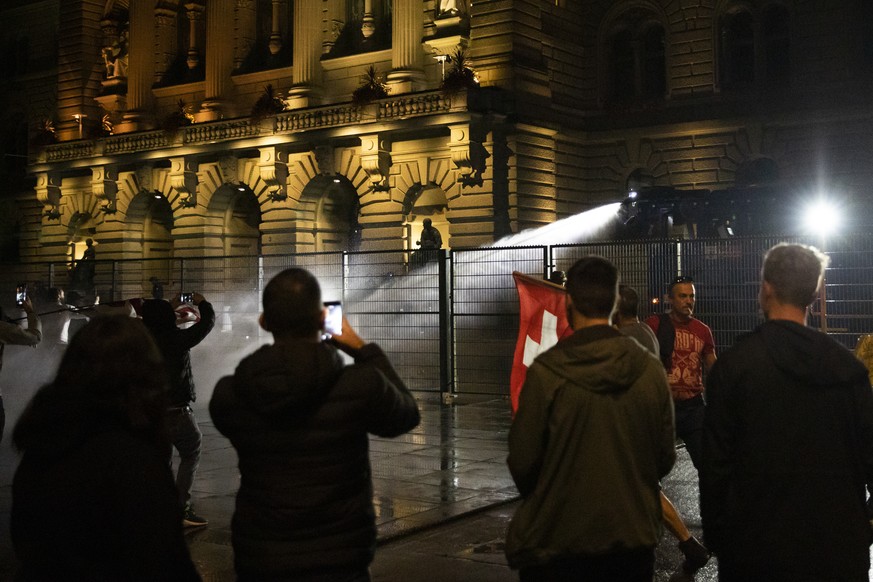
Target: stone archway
80, 228
335, 210
425, 201
239, 212
150, 224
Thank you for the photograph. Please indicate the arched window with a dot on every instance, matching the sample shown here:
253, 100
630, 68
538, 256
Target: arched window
637, 68
622, 66
777, 43
654, 63
737, 49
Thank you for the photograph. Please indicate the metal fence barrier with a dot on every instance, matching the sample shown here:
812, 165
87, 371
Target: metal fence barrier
449, 321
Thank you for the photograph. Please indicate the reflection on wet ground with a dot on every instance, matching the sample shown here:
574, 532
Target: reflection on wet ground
442, 493
453, 463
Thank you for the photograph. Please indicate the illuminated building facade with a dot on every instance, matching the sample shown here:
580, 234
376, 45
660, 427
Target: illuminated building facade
174, 128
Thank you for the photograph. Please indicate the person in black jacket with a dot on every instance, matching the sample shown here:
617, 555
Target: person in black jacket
93, 497
299, 420
788, 442
175, 345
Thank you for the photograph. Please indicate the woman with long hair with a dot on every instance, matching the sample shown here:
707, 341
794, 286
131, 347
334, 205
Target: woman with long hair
93, 497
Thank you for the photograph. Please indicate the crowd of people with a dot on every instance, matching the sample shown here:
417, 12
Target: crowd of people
781, 436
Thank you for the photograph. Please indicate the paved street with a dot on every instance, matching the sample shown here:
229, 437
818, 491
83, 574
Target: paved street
443, 493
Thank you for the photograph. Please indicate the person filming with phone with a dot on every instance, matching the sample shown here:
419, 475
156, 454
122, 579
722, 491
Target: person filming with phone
298, 418
13, 334
175, 345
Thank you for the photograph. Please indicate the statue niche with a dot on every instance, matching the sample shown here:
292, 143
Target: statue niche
115, 56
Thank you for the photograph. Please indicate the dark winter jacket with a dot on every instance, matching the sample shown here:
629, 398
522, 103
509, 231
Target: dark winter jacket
175, 345
299, 418
102, 509
788, 448
592, 437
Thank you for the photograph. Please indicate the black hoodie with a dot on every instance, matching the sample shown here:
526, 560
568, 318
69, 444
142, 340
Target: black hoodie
788, 449
299, 418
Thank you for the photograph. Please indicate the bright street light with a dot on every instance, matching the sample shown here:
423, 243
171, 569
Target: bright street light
822, 218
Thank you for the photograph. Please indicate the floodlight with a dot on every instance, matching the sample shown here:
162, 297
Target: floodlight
822, 217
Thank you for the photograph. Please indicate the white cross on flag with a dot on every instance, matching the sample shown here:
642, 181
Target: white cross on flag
542, 321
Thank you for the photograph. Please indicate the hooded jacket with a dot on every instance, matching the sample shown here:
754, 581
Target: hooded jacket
788, 449
298, 418
175, 345
592, 437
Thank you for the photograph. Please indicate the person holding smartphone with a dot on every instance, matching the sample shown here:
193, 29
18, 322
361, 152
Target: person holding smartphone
175, 345
12, 333
299, 417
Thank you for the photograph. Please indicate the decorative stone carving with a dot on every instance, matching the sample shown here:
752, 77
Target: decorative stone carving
324, 159
376, 161
273, 164
229, 167
48, 192
144, 178
469, 156
184, 181
104, 186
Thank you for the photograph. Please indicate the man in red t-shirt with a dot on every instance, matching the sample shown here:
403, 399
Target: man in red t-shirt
686, 353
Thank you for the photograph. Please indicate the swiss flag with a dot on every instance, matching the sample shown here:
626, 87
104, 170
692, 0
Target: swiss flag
542, 321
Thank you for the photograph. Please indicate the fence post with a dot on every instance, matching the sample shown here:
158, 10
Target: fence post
447, 341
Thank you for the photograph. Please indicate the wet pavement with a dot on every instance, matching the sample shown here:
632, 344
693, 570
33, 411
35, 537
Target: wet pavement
443, 494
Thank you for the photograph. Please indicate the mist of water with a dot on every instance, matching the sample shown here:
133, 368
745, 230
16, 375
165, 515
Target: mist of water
235, 336
583, 227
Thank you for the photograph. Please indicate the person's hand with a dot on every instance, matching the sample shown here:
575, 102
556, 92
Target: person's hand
176, 301
348, 341
198, 298
27, 306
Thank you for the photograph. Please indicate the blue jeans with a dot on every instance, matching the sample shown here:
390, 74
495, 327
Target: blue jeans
185, 437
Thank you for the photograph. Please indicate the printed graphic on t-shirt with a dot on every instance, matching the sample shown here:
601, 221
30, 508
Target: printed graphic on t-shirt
686, 379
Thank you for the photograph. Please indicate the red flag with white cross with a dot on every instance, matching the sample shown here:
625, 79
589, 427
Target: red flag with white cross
542, 321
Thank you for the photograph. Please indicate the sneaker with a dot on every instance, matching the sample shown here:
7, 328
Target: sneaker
696, 555
191, 519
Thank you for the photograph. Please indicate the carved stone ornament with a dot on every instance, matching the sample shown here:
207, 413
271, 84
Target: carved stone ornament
273, 164
184, 181
324, 159
48, 192
104, 186
468, 156
376, 161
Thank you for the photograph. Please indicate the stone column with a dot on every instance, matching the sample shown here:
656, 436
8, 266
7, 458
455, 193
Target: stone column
406, 52
194, 11
219, 59
166, 40
275, 43
306, 90
141, 67
246, 20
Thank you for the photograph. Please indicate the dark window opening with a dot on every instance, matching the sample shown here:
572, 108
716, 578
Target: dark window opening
777, 44
637, 62
737, 50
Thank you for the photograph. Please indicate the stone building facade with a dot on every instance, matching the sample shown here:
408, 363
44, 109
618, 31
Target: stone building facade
168, 139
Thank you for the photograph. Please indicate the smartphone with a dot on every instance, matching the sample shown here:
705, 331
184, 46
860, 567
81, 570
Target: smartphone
21, 294
187, 297
333, 321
